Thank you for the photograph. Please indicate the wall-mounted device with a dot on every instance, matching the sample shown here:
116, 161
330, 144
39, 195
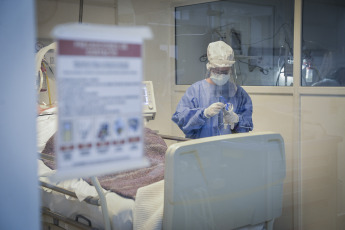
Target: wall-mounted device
149, 104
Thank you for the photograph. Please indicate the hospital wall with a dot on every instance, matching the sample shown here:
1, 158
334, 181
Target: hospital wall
311, 120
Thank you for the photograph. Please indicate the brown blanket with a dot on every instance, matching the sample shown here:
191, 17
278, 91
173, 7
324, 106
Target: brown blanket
127, 183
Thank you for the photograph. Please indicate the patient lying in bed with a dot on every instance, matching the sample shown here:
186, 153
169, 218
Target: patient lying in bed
127, 183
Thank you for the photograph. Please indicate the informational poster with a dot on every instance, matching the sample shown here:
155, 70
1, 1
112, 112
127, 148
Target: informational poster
99, 87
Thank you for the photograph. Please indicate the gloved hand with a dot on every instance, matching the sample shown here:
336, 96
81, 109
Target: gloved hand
213, 109
230, 117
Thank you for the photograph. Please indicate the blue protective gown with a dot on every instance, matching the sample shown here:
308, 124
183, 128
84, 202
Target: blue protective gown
189, 115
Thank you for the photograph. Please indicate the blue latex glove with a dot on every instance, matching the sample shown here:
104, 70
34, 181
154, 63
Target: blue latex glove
213, 109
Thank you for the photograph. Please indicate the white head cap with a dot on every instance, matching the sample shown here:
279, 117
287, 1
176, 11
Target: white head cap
219, 54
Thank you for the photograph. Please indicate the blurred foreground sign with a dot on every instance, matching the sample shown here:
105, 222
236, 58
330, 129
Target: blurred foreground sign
99, 85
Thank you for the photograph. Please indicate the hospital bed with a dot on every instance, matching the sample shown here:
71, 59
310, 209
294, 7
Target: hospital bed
223, 182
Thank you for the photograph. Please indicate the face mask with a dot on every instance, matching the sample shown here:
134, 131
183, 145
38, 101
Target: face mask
219, 79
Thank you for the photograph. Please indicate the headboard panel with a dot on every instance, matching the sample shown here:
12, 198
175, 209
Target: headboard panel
224, 182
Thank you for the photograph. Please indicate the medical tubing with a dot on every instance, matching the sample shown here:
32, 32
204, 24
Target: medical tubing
219, 129
104, 205
48, 66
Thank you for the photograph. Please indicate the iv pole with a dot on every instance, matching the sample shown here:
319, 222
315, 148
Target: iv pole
81, 4
94, 179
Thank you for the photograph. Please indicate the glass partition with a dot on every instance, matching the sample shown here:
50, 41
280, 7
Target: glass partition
323, 43
261, 35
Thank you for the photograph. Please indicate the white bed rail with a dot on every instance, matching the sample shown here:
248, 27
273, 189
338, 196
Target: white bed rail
91, 200
174, 138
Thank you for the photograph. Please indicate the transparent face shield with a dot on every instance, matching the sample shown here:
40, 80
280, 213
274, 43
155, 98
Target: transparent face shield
228, 89
223, 93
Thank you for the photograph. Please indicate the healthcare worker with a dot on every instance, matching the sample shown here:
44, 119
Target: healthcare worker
215, 105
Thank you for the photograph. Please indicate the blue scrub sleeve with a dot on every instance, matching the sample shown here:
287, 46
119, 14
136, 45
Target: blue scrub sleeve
189, 116
245, 112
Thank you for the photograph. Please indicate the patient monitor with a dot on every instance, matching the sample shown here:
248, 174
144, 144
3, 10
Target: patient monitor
149, 104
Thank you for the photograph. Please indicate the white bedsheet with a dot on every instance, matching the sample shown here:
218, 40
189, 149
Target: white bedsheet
148, 208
